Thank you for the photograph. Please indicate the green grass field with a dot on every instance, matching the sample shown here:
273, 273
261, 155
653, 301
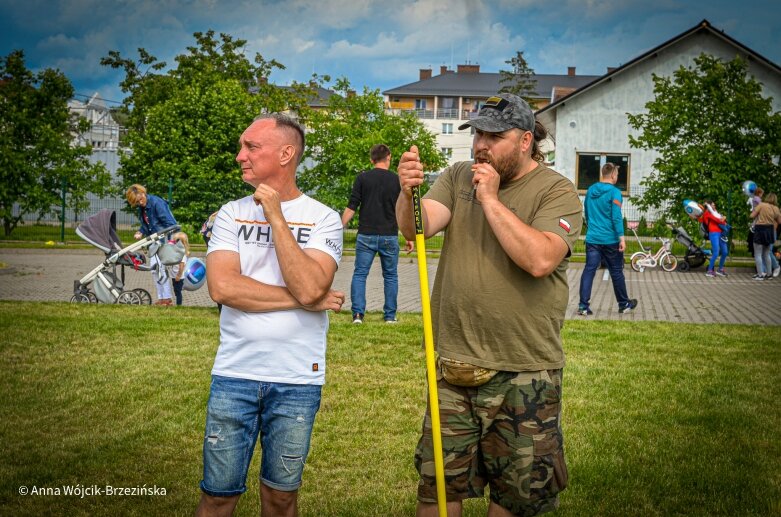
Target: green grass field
660, 418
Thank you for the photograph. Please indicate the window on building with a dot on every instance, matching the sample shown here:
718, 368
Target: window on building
420, 104
447, 102
447, 152
447, 129
590, 164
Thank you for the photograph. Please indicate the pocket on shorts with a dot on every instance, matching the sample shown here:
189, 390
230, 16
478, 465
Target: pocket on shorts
549, 470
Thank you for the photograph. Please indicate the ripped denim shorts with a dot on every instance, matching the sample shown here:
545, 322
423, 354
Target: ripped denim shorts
238, 411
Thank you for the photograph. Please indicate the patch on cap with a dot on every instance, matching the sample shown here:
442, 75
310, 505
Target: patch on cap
501, 113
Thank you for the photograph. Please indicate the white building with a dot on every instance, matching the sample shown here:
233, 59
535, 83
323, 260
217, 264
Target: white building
590, 125
445, 101
103, 134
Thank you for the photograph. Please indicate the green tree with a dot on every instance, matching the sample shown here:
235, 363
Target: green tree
39, 152
713, 130
520, 80
342, 135
184, 124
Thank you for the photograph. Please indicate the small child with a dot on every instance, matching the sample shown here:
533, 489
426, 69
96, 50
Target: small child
178, 270
724, 227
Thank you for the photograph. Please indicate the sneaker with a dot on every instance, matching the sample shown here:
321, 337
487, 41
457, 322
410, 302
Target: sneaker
758, 277
777, 271
584, 311
357, 318
710, 274
721, 272
631, 305
391, 322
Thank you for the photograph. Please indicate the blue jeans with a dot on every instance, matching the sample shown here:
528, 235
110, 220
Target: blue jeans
366, 247
718, 248
614, 259
239, 410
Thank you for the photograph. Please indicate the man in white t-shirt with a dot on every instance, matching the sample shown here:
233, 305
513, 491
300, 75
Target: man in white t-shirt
271, 262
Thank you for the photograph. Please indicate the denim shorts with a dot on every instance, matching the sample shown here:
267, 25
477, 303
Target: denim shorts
238, 411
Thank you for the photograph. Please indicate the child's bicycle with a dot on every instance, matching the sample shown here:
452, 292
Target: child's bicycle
663, 257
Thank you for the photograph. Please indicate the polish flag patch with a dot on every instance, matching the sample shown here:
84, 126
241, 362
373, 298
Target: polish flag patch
564, 224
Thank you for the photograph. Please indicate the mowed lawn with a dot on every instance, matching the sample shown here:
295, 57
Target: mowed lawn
660, 418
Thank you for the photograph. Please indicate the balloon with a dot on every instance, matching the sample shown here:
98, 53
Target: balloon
693, 208
194, 274
749, 188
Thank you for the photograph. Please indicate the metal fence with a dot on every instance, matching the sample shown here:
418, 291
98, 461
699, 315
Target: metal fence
52, 226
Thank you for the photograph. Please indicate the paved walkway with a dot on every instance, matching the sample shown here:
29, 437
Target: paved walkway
48, 275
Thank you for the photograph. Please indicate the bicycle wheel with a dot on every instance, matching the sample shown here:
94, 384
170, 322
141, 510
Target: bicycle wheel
79, 298
635, 261
143, 294
669, 262
129, 297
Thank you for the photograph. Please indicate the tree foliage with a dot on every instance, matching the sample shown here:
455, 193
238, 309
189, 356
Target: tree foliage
713, 130
342, 135
184, 124
520, 80
39, 153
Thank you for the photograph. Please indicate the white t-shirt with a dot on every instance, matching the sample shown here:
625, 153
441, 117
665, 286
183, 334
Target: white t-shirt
285, 346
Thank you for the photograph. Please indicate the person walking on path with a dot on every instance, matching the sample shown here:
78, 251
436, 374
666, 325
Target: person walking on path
766, 218
271, 262
498, 305
375, 192
605, 240
154, 216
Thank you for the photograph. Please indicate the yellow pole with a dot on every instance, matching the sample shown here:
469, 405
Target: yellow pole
431, 366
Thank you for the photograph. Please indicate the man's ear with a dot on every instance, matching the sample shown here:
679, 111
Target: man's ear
526, 141
287, 153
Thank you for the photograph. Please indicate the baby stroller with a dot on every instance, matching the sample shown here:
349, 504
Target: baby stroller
695, 256
100, 230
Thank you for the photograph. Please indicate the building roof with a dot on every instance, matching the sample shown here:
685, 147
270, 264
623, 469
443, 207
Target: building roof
703, 26
466, 84
318, 100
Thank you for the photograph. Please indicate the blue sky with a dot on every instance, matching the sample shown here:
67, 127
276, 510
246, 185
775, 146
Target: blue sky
375, 43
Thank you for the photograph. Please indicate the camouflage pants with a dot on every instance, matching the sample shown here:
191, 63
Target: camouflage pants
505, 434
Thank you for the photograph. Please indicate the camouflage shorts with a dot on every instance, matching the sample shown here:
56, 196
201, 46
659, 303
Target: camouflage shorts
505, 434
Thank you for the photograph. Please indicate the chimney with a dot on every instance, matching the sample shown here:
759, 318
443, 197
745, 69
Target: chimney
350, 94
425, 73
442, 69
468, 69
262, 80
570, 70
610, 69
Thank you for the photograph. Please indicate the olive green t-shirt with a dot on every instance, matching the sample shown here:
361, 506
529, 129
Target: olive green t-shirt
486, 310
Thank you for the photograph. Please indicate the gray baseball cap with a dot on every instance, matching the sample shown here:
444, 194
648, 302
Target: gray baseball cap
502, 112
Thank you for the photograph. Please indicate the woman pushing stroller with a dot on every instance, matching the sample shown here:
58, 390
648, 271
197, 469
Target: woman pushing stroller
154, 216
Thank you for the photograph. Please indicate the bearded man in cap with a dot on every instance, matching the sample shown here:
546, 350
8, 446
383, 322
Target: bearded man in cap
498, 305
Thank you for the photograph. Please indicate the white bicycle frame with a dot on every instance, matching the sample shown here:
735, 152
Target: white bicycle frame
647, 259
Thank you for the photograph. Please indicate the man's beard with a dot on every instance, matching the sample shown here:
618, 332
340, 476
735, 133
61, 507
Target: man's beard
507, 166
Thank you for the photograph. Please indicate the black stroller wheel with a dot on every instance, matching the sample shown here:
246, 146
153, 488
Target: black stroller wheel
92, 297
79, 298
144, 296
683, 266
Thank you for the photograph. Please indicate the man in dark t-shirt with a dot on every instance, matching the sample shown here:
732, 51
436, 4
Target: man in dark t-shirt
375, 192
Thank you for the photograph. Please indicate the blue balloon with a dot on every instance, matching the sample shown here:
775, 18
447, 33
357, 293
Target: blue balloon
749, 188
692, 208
194, 274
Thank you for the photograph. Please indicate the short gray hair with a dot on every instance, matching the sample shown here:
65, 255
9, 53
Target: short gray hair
291, 127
